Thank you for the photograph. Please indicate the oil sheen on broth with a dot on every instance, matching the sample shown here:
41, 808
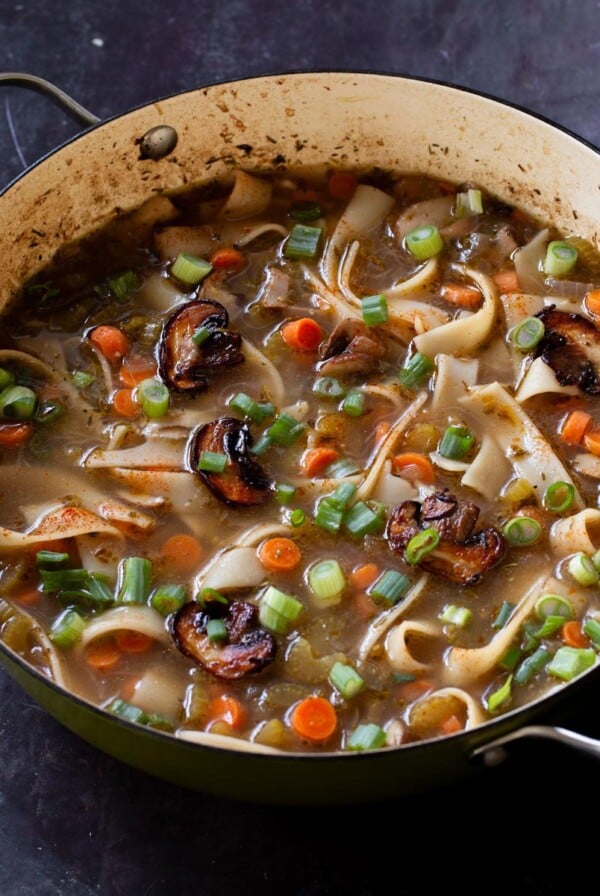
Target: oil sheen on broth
312, 465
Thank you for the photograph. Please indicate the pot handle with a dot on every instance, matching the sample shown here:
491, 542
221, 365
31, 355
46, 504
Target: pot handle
494, 752
32, 82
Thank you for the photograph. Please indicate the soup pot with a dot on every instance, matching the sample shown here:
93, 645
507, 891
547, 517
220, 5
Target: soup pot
302, 120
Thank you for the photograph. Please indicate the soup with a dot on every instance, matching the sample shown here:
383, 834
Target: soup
306, 464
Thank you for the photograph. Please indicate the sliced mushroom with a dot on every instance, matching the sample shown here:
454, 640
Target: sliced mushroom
571, 347
351, 348
460, 556
183, 365
248, 649
243, 482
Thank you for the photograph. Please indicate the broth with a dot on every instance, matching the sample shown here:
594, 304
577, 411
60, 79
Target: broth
308, 464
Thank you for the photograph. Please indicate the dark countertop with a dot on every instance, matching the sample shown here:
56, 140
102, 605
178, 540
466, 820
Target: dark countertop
74, 822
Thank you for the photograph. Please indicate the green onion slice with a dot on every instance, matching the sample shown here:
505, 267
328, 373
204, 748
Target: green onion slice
284, 492
327, 581
123, 285
455, 615
569, 662
531, 665
66, 630
521, 531
216, 631
554, 605
200, 335
468, 203
354, 403
503, 615
367, 737
167, 599
328, 387
561, 258
416, 370
581, 567
559, 496
591, 628
421, 544
527, 334
364, 519
189, 269
303, 241
18, 401
456, 442
212, 462
6, 378
153, 397
135, 574
297, 517
500, 696
278, 611
390, 586
424, 242
285, 430
329, 515
374, 310
305, 210
346, 680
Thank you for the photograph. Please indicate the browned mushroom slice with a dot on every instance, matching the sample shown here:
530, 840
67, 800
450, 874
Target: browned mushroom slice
571, 347
249, 647
351, 348
459, 556
183, 365
243, 482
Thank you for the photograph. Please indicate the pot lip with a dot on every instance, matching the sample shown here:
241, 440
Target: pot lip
298, 73
481, 734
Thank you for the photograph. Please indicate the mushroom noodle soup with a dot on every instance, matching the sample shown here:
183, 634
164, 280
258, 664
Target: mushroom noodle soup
312, 465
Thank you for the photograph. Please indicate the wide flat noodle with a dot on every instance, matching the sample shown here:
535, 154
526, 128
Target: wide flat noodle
140, 619
61, 522
489, 470
223, 741
398, 648
232, 569
430, 711
452, 376
250, 195
382, 623
540, 378
155, 453
579, 532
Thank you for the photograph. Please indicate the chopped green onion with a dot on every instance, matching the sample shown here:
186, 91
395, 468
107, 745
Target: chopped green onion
51, 559
367, 737
456, 442
6, 378
127, 711
503, 615
421, 544
49, 411
339, 469
363, 519
403, 677
424, 242
18, 401
200, 335
569, 662
468, 203
63, 579
531, 665
189, 269
559, 496
354, 403
284, 492
262, 444
454, 615
582, 568
135, 574
297, 517
554, 605
305, 210
374, 310
254, 410
66, 630
591, 628
155, 720
346, 680
327, 581
212, 462
167, 599
211, 595
527, 334
521, 531
390, 586
329, 515
122, 285
343, 494
94, 593
82, 379
416, 370
560, 258
550, 625
216, 631
154, 397
500, 696
529, 637
303, 241
284, 430
328, 387
510, 659
278, 611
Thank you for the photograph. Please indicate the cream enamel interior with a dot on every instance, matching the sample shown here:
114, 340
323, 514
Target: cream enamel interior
360, 120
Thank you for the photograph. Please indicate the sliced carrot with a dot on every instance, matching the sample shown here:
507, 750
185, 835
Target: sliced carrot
279, 554
572, 634
59, 546
592, 302
591, 440
302, 335
451, 725
228, 258
13, 435
183, 552
363, 605
226, 708
133, 642
414, 467
342, 184
507, 281
412, 690
102, 655
461, 295
125, 404
575, 426
363, 576
314, 719
136, 368
111, 341
316, 460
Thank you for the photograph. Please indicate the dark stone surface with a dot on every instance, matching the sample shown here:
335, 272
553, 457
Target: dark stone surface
74, 822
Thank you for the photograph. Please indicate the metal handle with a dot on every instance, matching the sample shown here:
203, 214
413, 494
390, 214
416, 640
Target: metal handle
32, 82
494, 752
